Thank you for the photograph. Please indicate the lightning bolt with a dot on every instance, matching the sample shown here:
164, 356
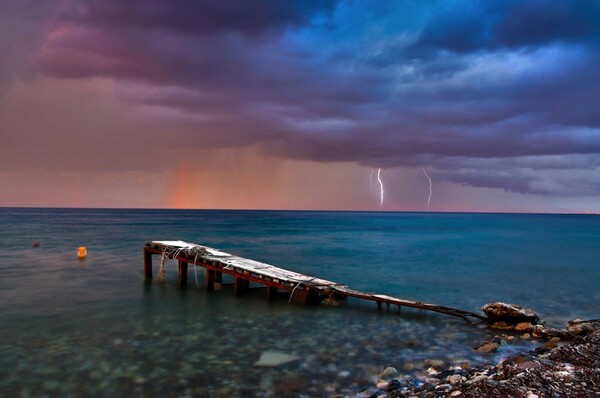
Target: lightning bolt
430, 188
380, 186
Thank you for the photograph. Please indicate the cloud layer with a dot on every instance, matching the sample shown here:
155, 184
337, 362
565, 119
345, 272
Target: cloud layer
500, 94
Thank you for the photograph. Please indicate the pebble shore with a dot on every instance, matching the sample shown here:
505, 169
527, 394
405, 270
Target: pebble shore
554, 369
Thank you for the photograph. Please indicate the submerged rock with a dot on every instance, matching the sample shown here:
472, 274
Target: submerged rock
509, 313
274, 358
524, 327
487, 347
388, 374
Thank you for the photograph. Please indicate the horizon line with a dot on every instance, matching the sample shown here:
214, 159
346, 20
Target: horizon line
583, 213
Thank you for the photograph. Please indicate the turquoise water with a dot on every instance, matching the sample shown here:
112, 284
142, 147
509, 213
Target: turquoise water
93, 328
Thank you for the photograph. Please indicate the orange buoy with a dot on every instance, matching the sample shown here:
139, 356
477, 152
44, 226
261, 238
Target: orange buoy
81, 252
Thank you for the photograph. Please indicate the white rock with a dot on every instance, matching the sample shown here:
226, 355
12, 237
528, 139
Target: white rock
274, 358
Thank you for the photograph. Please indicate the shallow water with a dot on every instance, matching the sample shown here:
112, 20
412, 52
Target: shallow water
93, 328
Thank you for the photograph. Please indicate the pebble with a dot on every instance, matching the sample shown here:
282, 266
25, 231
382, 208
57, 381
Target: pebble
436, 363
388, 374
487, 347
344, 374
454, 379
455, 393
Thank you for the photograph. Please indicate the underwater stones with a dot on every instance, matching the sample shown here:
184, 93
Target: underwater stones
274, 358
344, 374
388, 374
434, 363
487, 347
509, 313
523, 327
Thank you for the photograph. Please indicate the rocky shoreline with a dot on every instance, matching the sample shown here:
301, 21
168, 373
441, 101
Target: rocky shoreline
567, 364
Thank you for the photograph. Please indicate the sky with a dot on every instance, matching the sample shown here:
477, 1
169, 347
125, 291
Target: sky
270, 104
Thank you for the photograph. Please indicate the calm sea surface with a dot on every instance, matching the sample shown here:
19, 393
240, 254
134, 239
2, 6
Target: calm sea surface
93, 328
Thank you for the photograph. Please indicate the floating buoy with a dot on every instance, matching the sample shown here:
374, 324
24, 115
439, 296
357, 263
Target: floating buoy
35, 243
81, 252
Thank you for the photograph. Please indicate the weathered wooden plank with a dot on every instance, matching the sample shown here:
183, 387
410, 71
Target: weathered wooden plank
304, 288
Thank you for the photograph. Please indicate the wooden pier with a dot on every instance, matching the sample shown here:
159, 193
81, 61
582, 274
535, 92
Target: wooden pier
302, 289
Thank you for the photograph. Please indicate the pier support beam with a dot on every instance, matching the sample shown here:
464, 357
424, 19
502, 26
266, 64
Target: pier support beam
240, 286
210, 280
147, 265
271, 293
305, 297
183, 272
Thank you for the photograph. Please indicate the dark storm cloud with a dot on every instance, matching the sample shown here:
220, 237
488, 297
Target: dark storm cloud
201, 17
488, 24
346, 81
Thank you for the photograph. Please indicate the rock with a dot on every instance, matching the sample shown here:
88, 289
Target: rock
583, 328
528, 365
435, 363
344, 374
524, 327
517, 359
502, 326
432, 372
487, 347
454, 379
388, 374
382, 385
274, 358
549, 344
394, 384
510, 313
445, 387
456, 393
525, 336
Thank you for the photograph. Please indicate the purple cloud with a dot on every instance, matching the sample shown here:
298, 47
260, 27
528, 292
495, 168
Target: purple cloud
348, 81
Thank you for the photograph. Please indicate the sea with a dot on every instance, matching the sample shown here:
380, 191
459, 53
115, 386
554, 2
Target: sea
95, 328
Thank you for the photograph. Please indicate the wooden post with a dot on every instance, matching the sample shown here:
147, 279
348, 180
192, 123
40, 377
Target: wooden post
271, 293
218, 277
379, 306
147, 265
240, 285
183, 272
305, 297
210, 280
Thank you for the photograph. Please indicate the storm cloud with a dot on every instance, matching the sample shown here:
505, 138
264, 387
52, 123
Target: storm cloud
500, 94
